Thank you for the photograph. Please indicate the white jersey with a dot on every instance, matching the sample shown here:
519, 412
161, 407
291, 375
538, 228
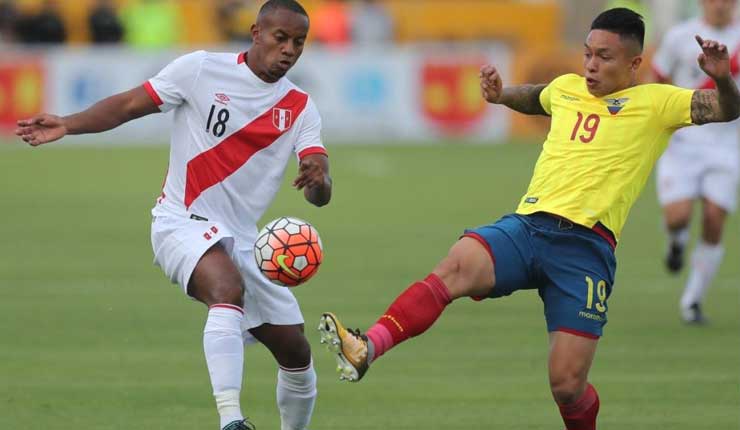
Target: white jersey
676, 60
233, 135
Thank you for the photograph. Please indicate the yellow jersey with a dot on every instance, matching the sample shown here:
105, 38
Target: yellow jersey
600, 150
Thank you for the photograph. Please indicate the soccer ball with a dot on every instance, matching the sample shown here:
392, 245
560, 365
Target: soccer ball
288, 251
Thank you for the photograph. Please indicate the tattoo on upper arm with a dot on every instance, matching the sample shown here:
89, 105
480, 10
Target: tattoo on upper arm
705, 107
526, 99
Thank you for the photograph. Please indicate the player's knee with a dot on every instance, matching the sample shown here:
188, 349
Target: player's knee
295, 354
467, 270
566, 387
714, 219
225, 289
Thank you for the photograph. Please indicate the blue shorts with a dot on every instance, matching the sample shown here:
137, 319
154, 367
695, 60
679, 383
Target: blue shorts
571, 266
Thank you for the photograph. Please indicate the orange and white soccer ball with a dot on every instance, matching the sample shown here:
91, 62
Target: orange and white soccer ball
288, 251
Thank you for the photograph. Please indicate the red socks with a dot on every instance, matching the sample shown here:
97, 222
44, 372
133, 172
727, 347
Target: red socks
411, 314
581, 415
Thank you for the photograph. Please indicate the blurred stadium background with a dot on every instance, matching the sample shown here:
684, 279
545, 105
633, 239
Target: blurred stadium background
92, 335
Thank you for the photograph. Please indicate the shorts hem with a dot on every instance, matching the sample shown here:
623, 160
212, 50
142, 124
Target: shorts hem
578, 333
477, 237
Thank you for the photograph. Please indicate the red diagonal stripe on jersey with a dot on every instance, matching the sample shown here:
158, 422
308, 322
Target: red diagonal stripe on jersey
218, 163
734, 71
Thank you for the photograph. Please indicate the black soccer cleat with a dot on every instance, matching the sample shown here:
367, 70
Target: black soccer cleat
674, 258
693, 315
240, 425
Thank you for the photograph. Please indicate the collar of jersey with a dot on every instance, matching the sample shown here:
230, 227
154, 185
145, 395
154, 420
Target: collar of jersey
253, 78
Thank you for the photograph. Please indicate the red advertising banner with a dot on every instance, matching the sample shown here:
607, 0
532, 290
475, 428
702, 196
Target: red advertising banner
451, 96
22, 82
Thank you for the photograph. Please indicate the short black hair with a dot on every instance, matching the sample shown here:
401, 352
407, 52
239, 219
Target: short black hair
627, 23
291, 5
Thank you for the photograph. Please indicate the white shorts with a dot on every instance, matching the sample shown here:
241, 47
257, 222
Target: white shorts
178, 245
683, 176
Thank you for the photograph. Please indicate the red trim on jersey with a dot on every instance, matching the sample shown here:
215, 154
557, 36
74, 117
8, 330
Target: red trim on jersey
311, 151
152, 93
242, 58
709, 84
577, 333
218, 163
228, 306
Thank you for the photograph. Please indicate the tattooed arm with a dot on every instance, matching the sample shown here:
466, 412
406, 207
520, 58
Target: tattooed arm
722, 104
521, 98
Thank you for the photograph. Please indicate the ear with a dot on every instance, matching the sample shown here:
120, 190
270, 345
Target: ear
636, 62
255, 30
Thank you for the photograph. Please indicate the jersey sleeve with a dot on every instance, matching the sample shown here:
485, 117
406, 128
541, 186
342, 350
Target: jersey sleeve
665, 57
171, 87
547, 93
309, 137
672, 105
545, 99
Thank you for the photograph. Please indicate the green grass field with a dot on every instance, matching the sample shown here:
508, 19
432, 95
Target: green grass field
92, 335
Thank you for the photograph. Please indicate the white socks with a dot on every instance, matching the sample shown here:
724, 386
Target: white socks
705, 262
296, 395
678, 237
222, 343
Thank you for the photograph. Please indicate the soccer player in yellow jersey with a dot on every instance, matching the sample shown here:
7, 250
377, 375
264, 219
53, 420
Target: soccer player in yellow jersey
606, 134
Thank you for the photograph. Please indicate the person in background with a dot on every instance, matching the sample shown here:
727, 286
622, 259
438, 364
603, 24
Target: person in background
105, 25
8, 17
45, 27
331, 22
234, 17
371, 23
701, 164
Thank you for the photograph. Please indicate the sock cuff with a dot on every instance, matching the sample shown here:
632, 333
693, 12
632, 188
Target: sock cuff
226, 306
298, 369
438, 288
710, 248
587, 399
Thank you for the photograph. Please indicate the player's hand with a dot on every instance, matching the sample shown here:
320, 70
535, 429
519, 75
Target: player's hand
714, 59
310, 174
41, 129
490, 84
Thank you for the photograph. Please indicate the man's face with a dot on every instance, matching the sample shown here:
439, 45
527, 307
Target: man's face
279, 37
609, 62
718, 13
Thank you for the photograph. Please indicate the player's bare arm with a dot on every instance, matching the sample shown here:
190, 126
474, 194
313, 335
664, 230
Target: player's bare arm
721, 104
313, 178
521, 98
105, 115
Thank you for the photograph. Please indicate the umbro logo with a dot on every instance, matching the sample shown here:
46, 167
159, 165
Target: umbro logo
222, 98
616, 105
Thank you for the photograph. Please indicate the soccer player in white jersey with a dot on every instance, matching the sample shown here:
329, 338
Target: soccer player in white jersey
237, 122
690, 170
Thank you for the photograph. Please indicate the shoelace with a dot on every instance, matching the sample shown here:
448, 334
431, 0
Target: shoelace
356, 333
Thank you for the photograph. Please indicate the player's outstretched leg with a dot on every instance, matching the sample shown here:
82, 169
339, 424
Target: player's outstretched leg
466, 271
296, 381
217, 282
705, 262
570, 360
677, 216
